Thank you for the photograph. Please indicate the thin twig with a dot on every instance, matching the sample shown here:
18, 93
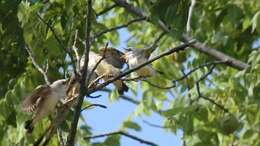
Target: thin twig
74, 48
83, 89
188, 28
66, 49
94, 105
118, 27
37, 66
97, 64
129, 99
156, 41
106, 10
124, 134
133, 78
204, 97
185, 75
52, 30
154, 125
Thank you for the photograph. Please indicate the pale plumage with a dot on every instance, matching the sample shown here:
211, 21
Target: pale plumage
135, 57
43, 101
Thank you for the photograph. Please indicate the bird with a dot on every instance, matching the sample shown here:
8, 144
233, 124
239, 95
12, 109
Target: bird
42, 101
134, 57
74, 85
109, 67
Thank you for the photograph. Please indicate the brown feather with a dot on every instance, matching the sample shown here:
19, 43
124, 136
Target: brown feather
114, 57
31, 102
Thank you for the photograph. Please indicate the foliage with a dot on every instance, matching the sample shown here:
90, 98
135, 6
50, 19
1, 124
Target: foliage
230, 27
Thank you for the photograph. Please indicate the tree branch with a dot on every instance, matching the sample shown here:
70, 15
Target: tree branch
118, 27
93, 105
130, 99
97, 64
83, 90
185, 75
188, 28
230, 61
106, 10
154, 125
59, 41
202, 48
124, 134
74, 48
44, 73
204, 97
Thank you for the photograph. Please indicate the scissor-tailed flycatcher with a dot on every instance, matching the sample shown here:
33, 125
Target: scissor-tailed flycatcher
135, 57
43, 101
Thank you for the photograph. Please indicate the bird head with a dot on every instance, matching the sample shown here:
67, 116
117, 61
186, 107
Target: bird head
59, 84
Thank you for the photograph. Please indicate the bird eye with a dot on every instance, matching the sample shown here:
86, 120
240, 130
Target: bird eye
129, 49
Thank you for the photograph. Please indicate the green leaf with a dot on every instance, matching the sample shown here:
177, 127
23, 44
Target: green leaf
132, 125
173, 111
256, 22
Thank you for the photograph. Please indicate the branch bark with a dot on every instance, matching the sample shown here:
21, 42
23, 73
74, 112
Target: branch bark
43, 72
83, 90
198, 45
118, 27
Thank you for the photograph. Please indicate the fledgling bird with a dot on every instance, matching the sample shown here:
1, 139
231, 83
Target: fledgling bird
134, 57
74, 85
109, 67
43, 101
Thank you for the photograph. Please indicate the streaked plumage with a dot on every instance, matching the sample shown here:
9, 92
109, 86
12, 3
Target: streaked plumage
108, 67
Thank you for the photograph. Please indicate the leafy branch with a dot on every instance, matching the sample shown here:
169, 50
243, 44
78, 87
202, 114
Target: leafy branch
204, 97
124, 134
118, 27
198, 45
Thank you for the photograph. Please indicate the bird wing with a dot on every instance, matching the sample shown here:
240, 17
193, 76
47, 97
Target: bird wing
113, 56
30, 102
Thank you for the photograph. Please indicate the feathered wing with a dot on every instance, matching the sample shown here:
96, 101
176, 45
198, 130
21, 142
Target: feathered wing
114, 57
30, 103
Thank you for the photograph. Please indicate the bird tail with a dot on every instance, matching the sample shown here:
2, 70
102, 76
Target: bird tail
121, 87
28, 126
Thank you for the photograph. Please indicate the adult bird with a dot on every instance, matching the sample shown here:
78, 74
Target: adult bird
43, 100
134, 57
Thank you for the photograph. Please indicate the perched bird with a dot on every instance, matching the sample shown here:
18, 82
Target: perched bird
43, 101
109, 67
74, 85
135, 57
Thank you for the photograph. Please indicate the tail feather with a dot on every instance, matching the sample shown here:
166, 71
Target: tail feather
28, 126
123, 88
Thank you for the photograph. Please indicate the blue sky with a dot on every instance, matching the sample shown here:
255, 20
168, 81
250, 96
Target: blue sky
110, 119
